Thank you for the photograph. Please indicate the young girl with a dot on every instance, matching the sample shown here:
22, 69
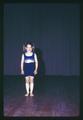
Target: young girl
29, 67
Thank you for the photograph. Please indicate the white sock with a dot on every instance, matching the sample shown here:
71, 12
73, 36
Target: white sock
31, 87
27, 87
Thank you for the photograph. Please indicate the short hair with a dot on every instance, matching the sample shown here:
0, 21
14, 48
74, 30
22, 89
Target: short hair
25, 44
28, 43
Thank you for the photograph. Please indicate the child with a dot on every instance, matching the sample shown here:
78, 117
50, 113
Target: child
29, 67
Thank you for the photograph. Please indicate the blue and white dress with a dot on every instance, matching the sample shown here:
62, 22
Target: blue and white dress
29, 67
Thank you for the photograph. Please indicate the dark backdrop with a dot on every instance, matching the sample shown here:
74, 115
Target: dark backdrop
55, 31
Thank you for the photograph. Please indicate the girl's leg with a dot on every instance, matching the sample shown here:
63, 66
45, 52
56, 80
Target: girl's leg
31, 85
27, 85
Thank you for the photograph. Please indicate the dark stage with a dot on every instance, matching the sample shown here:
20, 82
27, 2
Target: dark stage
53, 96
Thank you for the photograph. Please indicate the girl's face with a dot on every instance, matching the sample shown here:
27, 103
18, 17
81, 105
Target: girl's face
29, 48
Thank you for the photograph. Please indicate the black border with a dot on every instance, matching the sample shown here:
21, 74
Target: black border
1, 59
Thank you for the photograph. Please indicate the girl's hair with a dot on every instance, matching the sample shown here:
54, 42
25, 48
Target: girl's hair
32, 45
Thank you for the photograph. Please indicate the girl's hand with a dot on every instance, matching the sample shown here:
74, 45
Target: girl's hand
22, 72
35, 72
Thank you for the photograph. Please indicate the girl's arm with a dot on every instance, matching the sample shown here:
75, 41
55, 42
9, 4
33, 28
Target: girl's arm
36, 63
22, 63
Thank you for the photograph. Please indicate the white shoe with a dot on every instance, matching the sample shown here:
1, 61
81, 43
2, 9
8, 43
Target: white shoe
26, 94
31, 94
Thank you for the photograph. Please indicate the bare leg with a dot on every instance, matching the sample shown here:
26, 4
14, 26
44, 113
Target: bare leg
31, 85
27, 85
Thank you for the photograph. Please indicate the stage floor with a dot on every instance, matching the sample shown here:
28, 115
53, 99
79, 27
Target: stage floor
53, 96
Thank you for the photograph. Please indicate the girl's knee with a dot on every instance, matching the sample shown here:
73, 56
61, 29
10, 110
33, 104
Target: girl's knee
31, 79
27, 79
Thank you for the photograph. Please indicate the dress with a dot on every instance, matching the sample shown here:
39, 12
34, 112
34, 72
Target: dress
29, 67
